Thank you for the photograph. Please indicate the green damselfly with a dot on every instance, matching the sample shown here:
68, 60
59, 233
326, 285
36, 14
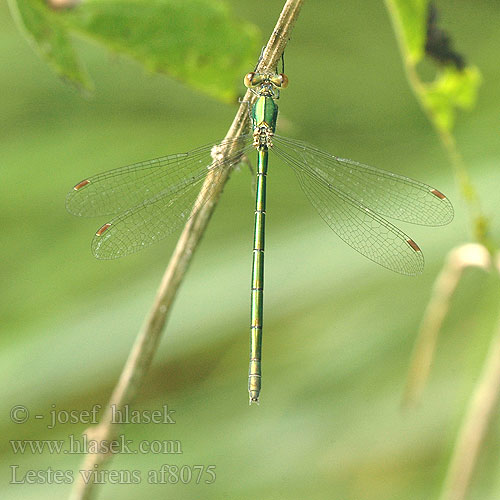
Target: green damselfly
150, 199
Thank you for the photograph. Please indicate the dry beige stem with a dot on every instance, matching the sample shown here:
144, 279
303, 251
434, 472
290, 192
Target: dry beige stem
475, 425
459, 259
145, 346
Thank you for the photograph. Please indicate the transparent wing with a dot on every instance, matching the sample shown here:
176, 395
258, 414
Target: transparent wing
385, 193
360, 227
154, 197
116, 190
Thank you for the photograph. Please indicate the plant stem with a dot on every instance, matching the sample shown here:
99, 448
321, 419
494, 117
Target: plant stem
458, 260
141, 355
486, 393
475, 424
479, 221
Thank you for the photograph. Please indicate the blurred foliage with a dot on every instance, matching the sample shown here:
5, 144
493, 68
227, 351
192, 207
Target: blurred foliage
453, 88
455, 84
338, 329
412, 18
198, 42
42, 27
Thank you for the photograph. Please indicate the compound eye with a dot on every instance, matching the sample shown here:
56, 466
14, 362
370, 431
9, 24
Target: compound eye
248, 80
280, 81
284, 80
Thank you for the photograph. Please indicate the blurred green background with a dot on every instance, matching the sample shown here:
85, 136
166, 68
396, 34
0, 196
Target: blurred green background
339, 329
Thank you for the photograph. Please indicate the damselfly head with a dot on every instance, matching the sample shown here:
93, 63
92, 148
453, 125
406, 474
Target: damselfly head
265, 84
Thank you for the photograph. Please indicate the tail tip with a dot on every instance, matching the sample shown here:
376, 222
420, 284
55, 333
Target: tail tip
254, 398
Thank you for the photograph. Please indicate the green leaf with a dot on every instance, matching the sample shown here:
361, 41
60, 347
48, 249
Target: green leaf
411, 19
198, 42
42, 28
450, 90
455, 85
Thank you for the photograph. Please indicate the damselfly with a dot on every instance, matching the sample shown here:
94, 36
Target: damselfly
149, 200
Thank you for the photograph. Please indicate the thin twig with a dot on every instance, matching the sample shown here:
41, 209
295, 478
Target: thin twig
459, 259
486, 393
475, 425
145, 346
478, 219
